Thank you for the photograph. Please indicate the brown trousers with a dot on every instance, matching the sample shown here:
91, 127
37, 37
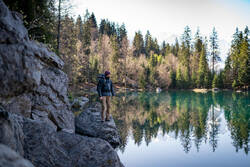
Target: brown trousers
105, 106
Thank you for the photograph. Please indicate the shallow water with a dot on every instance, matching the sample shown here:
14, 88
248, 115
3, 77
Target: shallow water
183, 128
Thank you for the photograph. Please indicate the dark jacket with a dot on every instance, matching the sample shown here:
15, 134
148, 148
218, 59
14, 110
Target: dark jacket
105, 87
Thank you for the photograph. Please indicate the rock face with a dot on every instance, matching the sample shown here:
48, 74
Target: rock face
31, 77
89, 123
9, 158
35, 116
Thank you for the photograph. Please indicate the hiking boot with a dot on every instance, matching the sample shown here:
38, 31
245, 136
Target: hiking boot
107, 119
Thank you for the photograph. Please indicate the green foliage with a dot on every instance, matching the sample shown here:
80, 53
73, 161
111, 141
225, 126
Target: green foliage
179, 78
138, 44
203, 70
237, 70
244, 67
173, 79
38, 17
215, 81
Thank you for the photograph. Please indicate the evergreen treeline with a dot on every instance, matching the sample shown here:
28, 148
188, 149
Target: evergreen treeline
89, 49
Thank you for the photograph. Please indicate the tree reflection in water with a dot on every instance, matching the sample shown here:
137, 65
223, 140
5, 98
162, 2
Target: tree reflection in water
193, 118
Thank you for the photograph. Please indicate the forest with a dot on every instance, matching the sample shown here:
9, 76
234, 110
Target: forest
89, 48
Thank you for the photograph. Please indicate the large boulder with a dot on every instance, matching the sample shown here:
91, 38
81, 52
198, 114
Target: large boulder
40, 143
89, 123
9, 158
31, 76
47, 148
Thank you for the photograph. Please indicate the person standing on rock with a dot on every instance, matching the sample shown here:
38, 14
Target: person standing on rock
105, 91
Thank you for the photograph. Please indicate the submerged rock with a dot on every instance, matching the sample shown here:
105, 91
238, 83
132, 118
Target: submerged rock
158, 90
9, 158
89, 123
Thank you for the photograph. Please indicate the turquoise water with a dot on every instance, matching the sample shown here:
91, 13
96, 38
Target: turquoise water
183, 129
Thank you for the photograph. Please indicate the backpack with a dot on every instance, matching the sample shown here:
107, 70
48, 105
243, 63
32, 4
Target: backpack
100, 77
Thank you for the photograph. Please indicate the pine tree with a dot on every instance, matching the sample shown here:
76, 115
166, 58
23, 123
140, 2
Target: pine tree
186, 38
239, 58
173, 79
39, 17
244, 67
93, 27
138, 44
122, 33
185, 55
163, 48
214, 49
203, 69
198, 42
176, 46
179, 78
79, 28
215, 81
148, 44
228, 77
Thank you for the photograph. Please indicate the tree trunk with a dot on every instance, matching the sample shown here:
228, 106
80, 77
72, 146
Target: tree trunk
58, 28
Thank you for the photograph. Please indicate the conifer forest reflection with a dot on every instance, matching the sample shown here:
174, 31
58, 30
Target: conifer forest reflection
190, 119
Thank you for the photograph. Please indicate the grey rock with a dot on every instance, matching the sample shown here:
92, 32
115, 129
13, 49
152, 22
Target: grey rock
12, 29
18, 73
31, 76
80, 102
95, 106
44, 117
46, 148
9, 158
11, 133
93, 90
20, 105
41, 52
89, 123
64, 120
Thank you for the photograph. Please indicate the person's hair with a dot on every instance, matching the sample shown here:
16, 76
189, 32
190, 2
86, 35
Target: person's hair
106, 73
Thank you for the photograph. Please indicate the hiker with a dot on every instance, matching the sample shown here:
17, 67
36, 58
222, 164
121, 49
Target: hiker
105, 91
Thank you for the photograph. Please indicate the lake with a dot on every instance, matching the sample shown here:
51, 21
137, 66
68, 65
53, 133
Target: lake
183, 129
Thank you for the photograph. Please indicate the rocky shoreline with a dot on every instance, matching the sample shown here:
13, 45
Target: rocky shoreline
36, 120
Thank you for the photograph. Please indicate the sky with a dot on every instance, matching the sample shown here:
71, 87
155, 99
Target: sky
166, 19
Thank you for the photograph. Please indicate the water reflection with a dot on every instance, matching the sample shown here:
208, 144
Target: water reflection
192, 118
